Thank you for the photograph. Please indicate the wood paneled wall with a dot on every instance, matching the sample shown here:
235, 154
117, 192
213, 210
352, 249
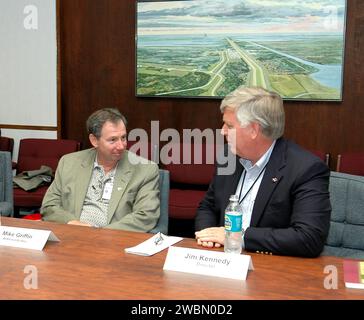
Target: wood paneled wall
97, 56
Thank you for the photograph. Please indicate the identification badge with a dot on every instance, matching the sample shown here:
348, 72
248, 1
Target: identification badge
107, 191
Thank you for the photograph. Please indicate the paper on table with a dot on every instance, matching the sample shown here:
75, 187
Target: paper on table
153, 245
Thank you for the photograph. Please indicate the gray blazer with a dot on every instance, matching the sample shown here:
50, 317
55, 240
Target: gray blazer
134, 203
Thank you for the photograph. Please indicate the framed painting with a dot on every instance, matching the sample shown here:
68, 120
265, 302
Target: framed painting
203, 48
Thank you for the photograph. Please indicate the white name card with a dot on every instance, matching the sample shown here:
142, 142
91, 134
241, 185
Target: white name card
25, 238
208, 263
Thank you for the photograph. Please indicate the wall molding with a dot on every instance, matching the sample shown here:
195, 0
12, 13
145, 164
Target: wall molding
24, 127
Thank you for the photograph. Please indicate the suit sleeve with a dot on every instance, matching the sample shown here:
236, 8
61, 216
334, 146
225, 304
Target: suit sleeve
309, 218
52, 209
146, 207
208, 212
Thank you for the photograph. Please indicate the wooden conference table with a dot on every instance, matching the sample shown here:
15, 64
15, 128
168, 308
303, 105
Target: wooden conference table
91, 263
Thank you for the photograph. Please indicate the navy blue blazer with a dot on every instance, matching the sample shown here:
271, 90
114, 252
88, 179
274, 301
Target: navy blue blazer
291, 213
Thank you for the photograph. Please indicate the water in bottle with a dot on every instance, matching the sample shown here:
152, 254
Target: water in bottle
233, 226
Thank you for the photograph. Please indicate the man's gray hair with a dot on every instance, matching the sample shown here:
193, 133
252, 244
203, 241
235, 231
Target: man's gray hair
97, 119
258, 105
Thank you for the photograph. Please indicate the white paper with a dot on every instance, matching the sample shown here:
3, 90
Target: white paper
150, 247
208, 263
25, 238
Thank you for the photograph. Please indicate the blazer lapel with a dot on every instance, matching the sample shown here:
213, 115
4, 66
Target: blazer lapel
235, 180
271, 179
122, 177
83, 179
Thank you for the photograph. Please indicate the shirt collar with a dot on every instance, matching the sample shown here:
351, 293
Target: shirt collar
97, 165
247, 164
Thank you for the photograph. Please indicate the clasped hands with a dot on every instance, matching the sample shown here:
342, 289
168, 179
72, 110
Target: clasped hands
211, 237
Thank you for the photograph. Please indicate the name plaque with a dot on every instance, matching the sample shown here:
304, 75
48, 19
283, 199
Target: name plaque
25, 238
208, 263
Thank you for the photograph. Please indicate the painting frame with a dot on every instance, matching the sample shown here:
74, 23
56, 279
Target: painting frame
174, 61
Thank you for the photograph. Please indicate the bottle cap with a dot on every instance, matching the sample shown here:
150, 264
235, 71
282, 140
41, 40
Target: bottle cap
234, 197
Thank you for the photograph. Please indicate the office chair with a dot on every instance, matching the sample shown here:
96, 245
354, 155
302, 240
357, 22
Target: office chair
345, 237
189, 181
351, 162
162, 225
7, 144
6, 185
33, 153
325, 157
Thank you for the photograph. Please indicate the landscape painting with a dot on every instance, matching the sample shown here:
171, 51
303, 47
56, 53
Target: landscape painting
205, 48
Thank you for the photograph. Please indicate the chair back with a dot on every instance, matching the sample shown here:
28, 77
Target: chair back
33, 153
7, 144
194, 163
162, 225
325, 157
347, 216
6, 185
191, 170
352, 163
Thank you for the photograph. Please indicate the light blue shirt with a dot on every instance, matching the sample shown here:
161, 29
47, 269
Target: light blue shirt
249, 184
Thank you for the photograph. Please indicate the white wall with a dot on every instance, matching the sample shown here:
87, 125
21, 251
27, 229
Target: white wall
28, 66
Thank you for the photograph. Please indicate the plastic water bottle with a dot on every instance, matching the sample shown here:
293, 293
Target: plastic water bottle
233, 226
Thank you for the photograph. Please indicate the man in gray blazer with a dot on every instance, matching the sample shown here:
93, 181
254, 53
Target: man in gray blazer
106, 186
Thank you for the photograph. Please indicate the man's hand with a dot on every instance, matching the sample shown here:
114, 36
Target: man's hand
79, 223
211, 237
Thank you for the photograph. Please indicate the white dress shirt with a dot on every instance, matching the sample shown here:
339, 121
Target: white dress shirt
249, 184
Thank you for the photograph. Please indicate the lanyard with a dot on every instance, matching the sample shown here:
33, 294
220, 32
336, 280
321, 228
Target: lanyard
251, 187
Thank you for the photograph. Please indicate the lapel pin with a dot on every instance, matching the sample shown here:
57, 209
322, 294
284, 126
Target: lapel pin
119, 188
274, 179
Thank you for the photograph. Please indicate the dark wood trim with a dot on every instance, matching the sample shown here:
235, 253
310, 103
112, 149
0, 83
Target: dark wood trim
26, 127
59, 101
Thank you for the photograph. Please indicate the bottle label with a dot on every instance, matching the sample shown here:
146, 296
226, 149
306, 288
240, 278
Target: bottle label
233, 222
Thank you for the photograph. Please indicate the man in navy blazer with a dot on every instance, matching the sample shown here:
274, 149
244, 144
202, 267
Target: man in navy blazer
282, 188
